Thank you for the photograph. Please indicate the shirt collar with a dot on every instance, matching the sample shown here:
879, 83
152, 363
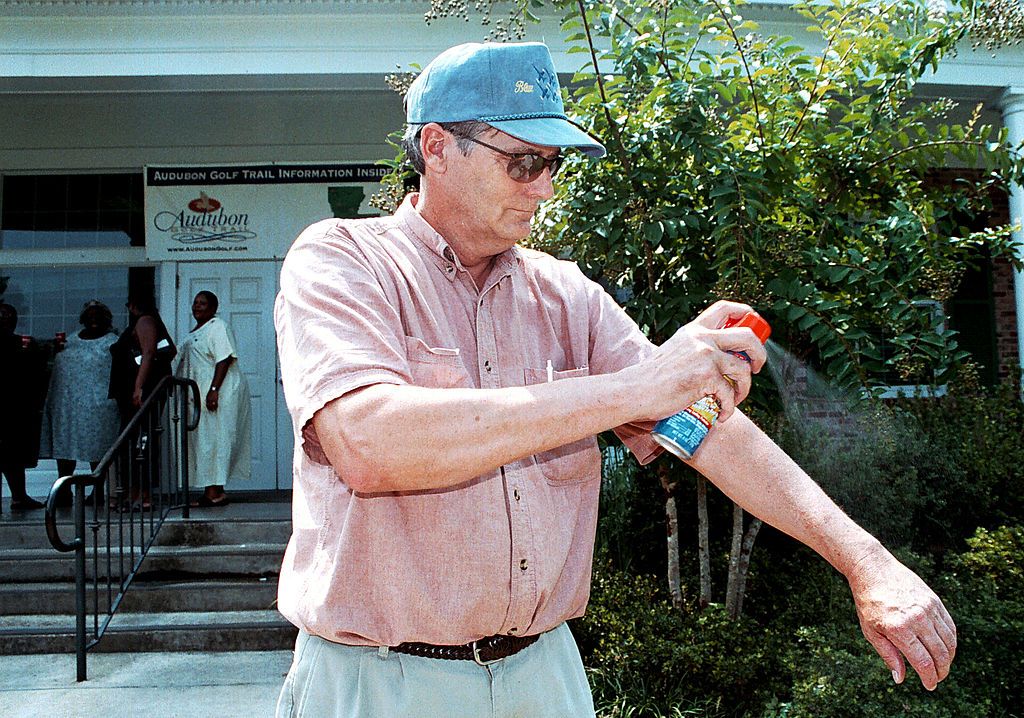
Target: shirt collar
441, 252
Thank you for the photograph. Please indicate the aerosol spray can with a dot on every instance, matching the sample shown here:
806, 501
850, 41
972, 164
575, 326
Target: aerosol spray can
682, 433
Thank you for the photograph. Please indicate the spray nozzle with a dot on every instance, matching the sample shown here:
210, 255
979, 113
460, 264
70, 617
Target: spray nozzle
762, 330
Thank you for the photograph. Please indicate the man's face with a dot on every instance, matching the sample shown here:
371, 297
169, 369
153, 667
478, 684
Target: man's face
495, 205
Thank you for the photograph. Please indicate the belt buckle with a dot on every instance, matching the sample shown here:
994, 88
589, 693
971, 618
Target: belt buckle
477, 659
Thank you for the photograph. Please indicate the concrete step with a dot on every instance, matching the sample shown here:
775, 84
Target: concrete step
175, 531
181, 532
241, 594
24, 534
137, 632
208, 584
251, 559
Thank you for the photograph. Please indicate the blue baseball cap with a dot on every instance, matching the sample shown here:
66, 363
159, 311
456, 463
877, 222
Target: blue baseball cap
510, 86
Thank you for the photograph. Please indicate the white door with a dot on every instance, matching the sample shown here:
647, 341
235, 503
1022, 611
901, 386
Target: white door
246, 292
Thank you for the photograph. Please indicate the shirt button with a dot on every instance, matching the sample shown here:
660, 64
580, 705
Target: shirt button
515, 494
523, 564
487, 365
513, 631
448, 254
449, 268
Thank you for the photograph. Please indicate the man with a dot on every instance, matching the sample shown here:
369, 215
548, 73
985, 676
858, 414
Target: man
446, 386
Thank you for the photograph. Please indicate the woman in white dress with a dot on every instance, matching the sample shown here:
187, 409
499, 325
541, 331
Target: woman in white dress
220, 450
80, 421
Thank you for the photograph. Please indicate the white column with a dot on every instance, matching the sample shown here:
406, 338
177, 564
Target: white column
1012, 104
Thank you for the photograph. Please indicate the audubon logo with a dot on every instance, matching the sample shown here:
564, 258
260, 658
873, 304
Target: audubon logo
204, 220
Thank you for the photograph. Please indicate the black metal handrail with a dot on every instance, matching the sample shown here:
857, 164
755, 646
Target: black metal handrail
140, 480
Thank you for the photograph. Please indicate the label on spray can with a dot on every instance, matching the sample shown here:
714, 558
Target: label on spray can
682, 433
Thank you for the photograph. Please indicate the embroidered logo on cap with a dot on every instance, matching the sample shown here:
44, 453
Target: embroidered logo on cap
547, 82
523, 86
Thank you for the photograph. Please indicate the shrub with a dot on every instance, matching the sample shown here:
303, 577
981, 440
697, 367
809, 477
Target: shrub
647, 658
631, 525
979, 480
837, 675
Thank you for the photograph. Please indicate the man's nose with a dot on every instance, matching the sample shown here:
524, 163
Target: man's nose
543, 187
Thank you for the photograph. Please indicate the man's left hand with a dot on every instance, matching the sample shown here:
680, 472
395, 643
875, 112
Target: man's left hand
900, 616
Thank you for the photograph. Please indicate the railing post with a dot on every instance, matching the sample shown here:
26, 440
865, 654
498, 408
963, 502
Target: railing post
181, 394
80, 545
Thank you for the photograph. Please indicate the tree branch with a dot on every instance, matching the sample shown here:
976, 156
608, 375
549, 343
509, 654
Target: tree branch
746, 70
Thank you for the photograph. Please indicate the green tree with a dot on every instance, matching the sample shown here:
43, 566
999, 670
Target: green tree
742, 165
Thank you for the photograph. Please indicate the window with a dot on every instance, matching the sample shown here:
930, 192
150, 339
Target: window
49, 299
922, 385
972, 314
72, 211
59, 212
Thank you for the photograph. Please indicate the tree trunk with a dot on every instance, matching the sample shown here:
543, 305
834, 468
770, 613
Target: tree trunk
675, 588
739, 561
734, 560
744, 568
704, 552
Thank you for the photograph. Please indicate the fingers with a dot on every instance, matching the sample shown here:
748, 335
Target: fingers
921, 660
940, 653
736, 375
890, 654
715, 315
928, 645
742, 339
928, 641
946, 628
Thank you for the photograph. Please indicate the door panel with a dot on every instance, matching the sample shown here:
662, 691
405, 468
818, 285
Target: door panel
246, 292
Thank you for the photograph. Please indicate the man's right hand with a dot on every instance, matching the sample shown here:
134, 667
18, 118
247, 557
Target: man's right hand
696, 362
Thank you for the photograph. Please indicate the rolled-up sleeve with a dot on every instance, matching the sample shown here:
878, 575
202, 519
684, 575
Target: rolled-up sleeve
336, 329
616, 342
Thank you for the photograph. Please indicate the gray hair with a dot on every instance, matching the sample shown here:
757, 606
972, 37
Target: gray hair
462, 130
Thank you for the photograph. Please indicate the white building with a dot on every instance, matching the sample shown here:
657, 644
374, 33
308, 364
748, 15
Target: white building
93, 92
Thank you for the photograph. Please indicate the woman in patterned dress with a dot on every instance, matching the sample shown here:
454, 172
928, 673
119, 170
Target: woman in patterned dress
80, 421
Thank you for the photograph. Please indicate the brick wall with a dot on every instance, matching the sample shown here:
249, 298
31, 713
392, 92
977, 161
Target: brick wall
1006, 318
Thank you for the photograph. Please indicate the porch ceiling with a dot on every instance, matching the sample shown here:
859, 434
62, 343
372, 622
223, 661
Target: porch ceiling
69, 46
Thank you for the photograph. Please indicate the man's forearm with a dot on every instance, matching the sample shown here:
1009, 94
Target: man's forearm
755, 473
403, 438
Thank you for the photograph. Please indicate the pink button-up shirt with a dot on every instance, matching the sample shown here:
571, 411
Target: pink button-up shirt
385, 300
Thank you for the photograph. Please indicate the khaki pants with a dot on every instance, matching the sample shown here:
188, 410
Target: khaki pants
331, 680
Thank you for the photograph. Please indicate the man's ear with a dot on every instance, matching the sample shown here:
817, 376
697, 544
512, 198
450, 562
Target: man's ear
436, 146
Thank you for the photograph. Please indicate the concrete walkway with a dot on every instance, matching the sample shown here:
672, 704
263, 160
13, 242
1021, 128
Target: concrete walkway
137, 685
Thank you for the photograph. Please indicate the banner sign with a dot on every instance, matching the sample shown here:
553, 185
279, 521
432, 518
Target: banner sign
248, 211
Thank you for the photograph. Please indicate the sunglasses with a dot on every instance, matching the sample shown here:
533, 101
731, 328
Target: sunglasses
523, 166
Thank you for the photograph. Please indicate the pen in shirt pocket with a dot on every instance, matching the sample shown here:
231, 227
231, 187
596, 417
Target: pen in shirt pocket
551, 372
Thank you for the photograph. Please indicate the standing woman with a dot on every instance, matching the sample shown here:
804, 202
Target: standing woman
223, 446
140, 358
80, 420
22, 380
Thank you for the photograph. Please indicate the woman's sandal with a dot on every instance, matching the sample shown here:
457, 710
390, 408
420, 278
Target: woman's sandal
206, 502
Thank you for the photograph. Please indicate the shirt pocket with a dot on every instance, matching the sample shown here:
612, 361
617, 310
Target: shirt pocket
434, 367
573, 463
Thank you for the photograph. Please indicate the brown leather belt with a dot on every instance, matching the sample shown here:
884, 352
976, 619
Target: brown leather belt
483, 652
